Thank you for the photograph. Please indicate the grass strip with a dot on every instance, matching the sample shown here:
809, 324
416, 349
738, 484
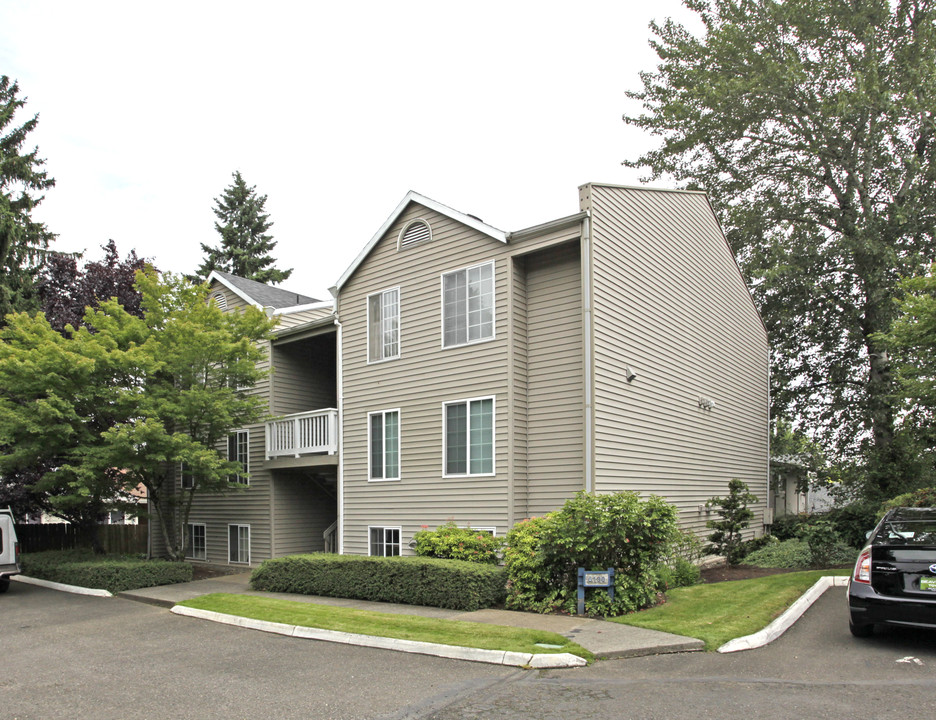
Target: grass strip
719, 612
390, 625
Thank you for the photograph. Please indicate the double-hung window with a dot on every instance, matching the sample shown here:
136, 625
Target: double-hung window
383, 325
186, 475
196, 548
469, 437
384, 541
468, 305
384, 444
239, 543
237, 451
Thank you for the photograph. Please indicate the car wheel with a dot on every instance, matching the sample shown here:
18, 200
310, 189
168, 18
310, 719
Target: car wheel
4, 585
860, 630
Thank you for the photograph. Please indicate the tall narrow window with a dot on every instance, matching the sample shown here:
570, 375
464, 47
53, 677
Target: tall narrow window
383, 325
238, 447
385, 445
239, 543
468, 305
469, 437
196, 548
385, 541
188, 479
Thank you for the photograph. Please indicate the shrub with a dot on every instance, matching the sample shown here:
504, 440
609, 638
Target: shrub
924, 497
451, 542
735, 517
786, 527
852, 522
679, 573
822, 540
453, 584
595, 532
115, 573
681, 568
797, 554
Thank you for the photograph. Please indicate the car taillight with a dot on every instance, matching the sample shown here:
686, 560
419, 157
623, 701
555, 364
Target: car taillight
863, 567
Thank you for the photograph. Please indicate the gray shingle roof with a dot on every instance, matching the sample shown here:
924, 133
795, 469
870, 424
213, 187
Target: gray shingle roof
266, 295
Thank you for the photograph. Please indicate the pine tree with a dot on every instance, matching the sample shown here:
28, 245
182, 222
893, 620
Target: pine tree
245, 244
22, 180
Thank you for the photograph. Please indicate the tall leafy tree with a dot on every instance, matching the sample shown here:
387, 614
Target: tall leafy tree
67, 290
810, 123
123, 399
245, 242
23, 179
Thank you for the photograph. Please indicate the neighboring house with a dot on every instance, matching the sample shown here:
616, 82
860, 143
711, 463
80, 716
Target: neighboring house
793, 493
484, 377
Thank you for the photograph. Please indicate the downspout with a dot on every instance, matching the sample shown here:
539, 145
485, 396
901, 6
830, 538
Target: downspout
340, 381
589, 355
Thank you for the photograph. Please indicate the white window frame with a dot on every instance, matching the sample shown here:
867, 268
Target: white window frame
382, 355
493, 295
238, 478
190, 537
370, 458
483, 528
445, 449
384, 528
239, 527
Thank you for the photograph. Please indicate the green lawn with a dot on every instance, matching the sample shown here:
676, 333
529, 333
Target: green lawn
719, 612
391, 625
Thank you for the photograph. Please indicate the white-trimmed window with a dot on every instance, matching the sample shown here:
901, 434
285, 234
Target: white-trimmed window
384, 541
238, 450
469, 437
186, 476
383, 325
468, 305
239, 544
383, 430
195, 546
415, 232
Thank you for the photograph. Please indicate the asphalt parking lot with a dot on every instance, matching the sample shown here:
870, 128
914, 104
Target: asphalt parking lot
82, 657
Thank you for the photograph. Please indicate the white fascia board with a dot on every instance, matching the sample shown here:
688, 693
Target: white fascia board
234, 289
412, 196
321, 305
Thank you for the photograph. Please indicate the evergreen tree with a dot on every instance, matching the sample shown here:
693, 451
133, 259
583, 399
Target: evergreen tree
245, 244
810, 123
22, 180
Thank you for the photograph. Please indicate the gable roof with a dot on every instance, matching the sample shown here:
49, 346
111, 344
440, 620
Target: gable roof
258, 293
411, 196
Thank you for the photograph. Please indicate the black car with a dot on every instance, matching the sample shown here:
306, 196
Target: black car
894, 581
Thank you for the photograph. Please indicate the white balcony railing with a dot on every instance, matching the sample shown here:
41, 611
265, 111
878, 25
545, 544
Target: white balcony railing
303, 434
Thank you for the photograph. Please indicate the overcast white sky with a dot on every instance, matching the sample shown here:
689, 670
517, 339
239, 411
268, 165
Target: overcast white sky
333, 110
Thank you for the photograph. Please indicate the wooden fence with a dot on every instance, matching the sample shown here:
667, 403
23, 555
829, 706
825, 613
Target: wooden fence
117, 539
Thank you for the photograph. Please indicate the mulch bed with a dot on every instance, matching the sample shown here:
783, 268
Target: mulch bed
721, 573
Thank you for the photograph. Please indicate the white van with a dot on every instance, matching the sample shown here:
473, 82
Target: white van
9, 550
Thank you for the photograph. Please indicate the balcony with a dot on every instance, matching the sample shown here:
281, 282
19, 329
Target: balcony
303, 439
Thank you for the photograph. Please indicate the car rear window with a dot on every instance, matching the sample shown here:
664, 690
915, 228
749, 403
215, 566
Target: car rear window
907, 533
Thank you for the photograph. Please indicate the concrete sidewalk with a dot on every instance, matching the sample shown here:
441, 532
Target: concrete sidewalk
604, 639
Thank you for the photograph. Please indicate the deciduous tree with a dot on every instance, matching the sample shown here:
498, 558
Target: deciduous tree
126, 398
810, 123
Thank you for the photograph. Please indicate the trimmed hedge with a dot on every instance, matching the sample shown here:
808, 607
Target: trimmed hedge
115, 573
452, 584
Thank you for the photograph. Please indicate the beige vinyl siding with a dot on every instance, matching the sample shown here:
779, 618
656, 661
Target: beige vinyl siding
425, 376
234, 301
304, 375
669, 302
286, 320
302, 511
555, 383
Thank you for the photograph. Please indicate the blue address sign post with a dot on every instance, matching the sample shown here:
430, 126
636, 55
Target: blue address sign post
594, 579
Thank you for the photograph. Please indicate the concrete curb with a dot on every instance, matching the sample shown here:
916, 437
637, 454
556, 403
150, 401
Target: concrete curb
74, 589
786, 620
494, 657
